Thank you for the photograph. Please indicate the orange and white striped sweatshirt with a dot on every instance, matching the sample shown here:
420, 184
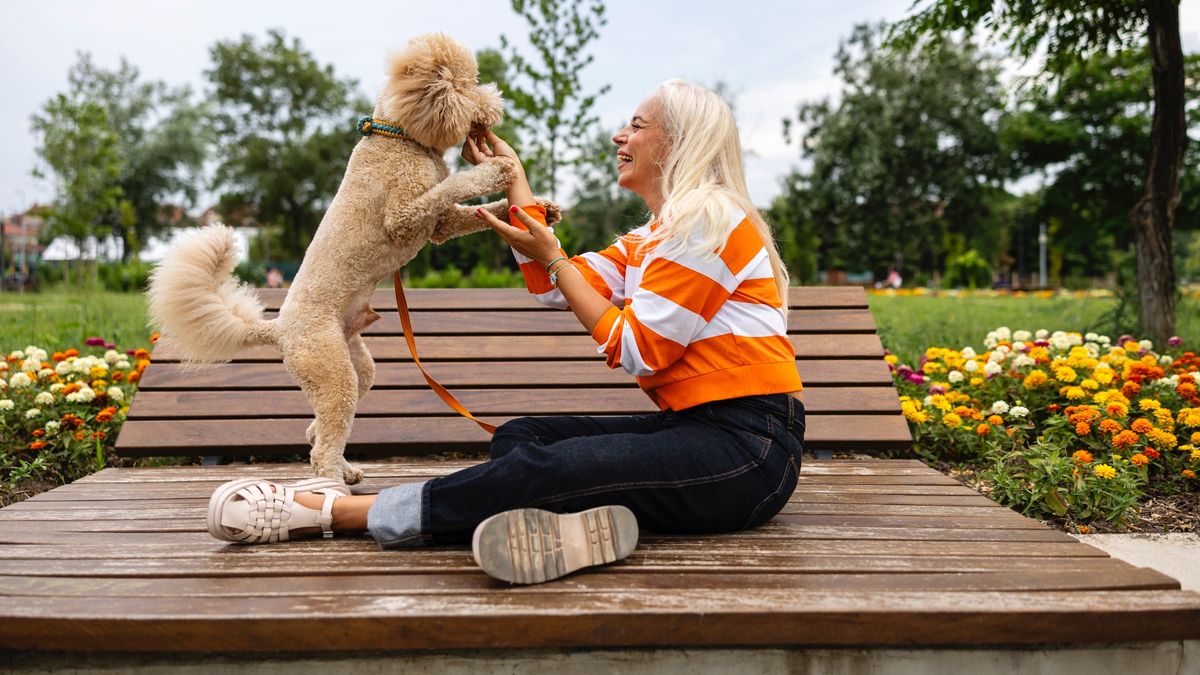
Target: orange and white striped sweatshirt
692, 329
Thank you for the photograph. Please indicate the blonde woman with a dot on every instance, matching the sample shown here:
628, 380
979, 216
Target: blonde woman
692, 304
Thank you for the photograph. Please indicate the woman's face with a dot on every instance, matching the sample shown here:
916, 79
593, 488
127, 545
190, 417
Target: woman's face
642, 147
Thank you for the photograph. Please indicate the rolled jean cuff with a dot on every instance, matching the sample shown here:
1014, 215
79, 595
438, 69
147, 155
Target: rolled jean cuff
394, 520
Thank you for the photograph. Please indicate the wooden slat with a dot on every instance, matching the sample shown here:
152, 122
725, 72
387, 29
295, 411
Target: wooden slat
424, 402
377, 436
543, 348
683, 617
453, 299
481, 374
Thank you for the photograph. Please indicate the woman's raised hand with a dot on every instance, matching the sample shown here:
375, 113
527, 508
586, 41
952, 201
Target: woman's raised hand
538, 242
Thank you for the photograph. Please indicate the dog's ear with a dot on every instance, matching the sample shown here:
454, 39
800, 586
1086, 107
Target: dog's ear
491, 106
431, 91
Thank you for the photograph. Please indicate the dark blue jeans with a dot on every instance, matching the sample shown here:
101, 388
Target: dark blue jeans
716, 467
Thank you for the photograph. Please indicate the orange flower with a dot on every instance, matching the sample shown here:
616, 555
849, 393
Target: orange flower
1131, 389
995, 420
155, 337
1139, 460
1084, 529
135, 376
58, 356
37, 445
141, 353
1110, 427
1124, 439
117, 376
1116, 409
1188, 473
1186, 389
1054, 407
106, 414
982, 429
38, 433
71, 352
1083, 429
80, 435
71, 388
1151, 453
1082, 456
98, 435
1142, 426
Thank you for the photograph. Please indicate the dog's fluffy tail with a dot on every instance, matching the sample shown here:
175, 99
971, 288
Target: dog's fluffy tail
204, 314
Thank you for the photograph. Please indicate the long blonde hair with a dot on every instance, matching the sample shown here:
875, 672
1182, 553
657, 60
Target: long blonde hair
703, 181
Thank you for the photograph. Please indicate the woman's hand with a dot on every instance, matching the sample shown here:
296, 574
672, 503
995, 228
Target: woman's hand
537, 243
478, 149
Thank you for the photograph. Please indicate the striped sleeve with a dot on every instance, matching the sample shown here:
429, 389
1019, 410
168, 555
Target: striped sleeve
678, 295
604, 270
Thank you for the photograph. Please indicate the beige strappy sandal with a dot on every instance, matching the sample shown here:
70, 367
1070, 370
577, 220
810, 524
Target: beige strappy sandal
256, 511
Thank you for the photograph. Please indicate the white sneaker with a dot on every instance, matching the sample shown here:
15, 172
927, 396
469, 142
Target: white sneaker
529, 546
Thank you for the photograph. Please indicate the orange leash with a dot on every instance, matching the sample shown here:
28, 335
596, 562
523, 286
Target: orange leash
441, 391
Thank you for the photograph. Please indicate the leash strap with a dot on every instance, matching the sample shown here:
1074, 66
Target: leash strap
442, 392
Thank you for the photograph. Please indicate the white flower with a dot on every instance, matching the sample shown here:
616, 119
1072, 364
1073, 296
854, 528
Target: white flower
112, 356
1042, 334
35, 352
115, 394
971, 366
1021, 335
81, 365
1091, 337
3, 384
1023, 361
44, 398
1004, 334
1104, 339
52, 425
968, 353
6, 404
44, 373
992, 368
31, 365
928, 401
123, 365
32, 413
20, 381
17, 355
954, 376
1021, 347
998, 355
56, 387
999, 408
85, 395
1060, 341
1018, 411
1166, 360
1146, 345
64, 367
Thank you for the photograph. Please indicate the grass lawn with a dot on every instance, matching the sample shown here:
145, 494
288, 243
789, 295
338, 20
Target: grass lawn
62, 318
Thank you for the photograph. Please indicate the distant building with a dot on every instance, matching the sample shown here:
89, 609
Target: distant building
20, 240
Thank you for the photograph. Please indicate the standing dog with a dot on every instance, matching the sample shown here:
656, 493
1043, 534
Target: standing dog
396, 195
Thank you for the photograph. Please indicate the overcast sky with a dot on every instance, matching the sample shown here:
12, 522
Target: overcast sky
772, 55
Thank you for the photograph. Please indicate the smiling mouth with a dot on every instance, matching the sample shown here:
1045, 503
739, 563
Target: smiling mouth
624, 157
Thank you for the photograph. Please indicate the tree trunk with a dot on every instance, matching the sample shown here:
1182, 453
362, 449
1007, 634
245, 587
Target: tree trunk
1154, 214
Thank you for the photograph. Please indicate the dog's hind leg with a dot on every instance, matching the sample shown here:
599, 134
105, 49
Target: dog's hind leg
364, 365
322, 365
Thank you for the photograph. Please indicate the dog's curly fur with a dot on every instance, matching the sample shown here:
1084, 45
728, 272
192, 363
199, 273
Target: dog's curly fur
396, 195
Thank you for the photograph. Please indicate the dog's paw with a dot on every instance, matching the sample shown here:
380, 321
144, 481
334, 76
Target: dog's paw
500, 173
553, 211
350, 474
311, 432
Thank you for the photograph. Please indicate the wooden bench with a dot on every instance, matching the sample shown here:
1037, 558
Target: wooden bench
868, 552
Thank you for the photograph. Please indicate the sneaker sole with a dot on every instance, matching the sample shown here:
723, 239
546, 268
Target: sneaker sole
531, 546
226, 490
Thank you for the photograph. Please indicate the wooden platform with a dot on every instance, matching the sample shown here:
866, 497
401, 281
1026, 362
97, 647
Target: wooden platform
867, 553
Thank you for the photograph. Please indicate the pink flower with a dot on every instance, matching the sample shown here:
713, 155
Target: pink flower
95, 341
1174, 341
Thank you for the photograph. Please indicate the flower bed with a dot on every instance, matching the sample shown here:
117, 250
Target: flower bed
1062, 426
59, 413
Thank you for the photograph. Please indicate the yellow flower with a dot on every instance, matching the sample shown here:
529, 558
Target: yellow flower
1195, 438
1104, 375
1148, 404
892, 359
1064, 374
1132, 346
1163, 439
1164, 418
1190, 417
1074, 393
1039, 353
939, 401
98, 371
1035, 379
976, 381
951, 420
1104, 471
1195, 456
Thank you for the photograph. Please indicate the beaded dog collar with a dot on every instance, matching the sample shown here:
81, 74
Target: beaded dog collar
368, 125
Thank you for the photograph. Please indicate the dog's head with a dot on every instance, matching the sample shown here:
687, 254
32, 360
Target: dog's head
432, 92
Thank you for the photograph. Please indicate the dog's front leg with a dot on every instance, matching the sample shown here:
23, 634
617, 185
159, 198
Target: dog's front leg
489, 176
459, 220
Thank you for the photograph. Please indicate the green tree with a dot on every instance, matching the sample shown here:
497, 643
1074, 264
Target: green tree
162, 142
79, 150
285, 127
549, 105
1087, 131
1071, 29
904, 170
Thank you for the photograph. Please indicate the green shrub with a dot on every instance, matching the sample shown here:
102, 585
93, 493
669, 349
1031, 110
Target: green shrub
968, 270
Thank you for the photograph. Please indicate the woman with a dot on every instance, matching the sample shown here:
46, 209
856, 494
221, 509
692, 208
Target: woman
692, 304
